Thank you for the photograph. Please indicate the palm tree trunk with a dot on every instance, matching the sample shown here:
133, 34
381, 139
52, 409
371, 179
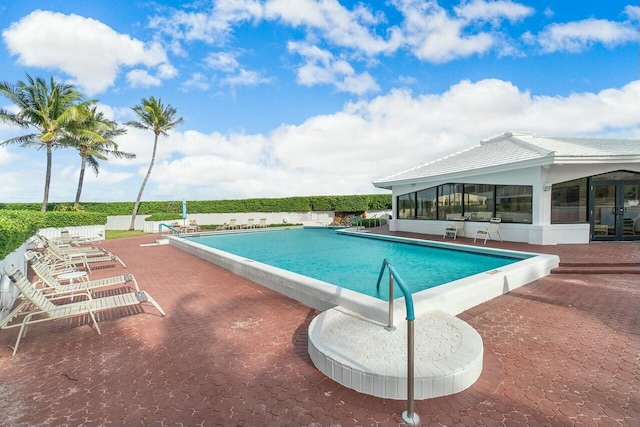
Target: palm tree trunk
47, 180
144, 183
80, 181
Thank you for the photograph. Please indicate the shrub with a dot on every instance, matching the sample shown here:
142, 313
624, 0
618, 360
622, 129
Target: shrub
16, 226
352, 203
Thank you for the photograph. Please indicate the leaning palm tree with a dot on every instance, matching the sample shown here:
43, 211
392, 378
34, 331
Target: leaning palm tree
50, 109
93, 139
155, 117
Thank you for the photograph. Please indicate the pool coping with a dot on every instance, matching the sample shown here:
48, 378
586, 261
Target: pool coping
452, 298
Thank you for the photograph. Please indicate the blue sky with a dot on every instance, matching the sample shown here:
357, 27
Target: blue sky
302, 97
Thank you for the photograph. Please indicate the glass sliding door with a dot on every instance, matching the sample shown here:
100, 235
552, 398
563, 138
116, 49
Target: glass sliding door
631, 211
616, 211
604, 212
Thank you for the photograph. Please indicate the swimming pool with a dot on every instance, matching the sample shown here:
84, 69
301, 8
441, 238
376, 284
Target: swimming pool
354, 262
453, 297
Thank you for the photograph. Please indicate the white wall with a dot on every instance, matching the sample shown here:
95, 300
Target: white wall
95, 232
314, 218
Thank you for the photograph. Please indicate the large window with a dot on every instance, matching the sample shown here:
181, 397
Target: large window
478, 202
449, 201
569, 202
514, 203
407, 206
427, 205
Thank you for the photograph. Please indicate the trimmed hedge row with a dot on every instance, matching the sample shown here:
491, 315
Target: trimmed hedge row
353, 203
16, 226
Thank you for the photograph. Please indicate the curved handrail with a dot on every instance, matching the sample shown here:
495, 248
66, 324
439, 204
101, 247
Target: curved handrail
169, 227
408, 299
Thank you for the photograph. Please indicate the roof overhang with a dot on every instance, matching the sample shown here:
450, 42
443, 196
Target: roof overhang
540, 162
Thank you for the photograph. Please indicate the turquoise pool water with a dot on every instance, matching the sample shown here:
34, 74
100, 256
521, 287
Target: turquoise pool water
354, 262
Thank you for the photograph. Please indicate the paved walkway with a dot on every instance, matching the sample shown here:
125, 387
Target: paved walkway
560, 351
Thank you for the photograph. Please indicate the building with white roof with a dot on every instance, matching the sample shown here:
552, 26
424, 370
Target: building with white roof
544, 190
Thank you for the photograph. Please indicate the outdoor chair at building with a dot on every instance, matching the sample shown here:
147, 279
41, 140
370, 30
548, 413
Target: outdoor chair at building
454, 227
492, 228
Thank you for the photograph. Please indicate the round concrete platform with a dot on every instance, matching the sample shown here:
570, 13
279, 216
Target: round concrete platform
362, 355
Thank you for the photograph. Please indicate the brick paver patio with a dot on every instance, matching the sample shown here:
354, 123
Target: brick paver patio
560, 351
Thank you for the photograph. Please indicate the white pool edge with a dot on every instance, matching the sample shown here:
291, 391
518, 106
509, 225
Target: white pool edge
453, 297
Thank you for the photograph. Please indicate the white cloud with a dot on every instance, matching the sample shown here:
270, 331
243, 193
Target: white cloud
432, 35
632, 12
167, 71
235, 75
333, 22
222, 61
197, 81
141, 78
580, 35
6, 156
211, 27
245, 78
321, 67
493, 11
51, 40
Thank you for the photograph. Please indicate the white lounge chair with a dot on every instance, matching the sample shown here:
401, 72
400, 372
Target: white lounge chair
59, 259
47, 278
493, 227
38, 308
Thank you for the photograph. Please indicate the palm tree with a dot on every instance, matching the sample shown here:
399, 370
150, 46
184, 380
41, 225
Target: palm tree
94, 141
153, 116
51, 109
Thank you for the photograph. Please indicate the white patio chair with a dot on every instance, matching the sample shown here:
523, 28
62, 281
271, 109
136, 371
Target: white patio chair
493, 227
453, 228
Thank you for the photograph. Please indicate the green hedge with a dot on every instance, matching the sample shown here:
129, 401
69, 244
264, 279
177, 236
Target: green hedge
16, 226
353, 203
164, 217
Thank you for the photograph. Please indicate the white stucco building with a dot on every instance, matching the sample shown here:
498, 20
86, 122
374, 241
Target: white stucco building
546, 190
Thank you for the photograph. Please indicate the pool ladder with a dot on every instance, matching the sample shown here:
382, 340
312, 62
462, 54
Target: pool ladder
409, 416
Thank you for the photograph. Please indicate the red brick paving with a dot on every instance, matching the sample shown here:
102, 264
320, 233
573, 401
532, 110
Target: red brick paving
563, 350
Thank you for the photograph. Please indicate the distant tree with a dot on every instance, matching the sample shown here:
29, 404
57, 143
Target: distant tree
153, 116
93, 139
51, 109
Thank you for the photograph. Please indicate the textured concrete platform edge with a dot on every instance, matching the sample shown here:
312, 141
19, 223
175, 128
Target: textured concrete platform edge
341, 346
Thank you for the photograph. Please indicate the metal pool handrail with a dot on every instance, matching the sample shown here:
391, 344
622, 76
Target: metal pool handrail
169, 227
409, 416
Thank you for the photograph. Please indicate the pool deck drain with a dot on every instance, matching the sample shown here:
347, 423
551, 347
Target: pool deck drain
364, 356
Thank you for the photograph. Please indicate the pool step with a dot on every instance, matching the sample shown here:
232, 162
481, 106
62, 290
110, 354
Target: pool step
597, 268
362, 355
